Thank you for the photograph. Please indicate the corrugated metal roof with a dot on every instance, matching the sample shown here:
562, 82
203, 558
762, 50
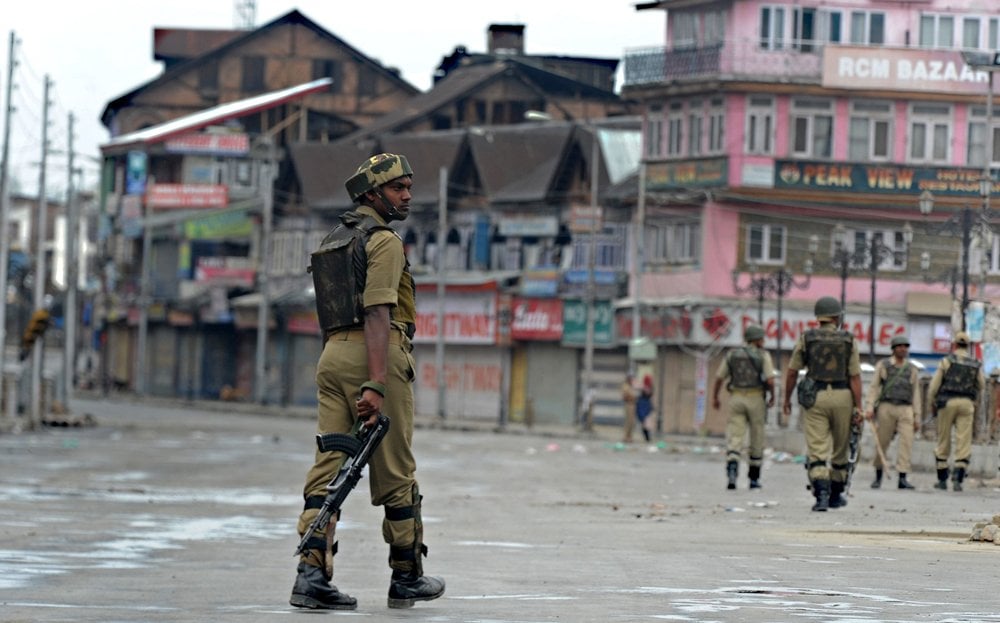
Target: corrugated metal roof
323, 168
427, 152
519, 163
211, 116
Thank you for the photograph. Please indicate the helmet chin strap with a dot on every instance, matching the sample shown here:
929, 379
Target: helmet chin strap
389, 207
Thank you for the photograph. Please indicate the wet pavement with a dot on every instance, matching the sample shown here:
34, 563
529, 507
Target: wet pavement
163, 513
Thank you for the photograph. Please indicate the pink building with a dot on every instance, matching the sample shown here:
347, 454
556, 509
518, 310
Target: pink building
787, 148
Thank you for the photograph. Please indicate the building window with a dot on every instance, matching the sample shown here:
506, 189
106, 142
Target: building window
894, 239
868, 27
930, 133
772, 27
696, 121
992, 39
715, 28
672, 243
978, 137
717, 126
684, 30
675, 129
654, 132
937, 31
760, 125
765, 244
970, 32
812, 128
610, 245
253, 74
870, 131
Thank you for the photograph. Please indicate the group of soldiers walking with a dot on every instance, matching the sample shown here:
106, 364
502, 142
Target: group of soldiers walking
830, 395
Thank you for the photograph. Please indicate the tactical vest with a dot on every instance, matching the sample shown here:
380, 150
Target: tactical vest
745, 369
339, 269
961, 378
896, 385
827, 354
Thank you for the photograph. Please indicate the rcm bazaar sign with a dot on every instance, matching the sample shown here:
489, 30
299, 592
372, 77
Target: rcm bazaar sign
536, 319
469, 318
901, 69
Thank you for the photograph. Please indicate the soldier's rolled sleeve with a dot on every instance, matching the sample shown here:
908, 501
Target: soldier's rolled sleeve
385, 268
795, 362
854, 363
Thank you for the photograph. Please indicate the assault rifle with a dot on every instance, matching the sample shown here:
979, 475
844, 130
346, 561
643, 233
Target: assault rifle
854, 446
358, 448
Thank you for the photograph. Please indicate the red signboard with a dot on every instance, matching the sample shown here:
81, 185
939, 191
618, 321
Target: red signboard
187, 196
216, 144
536, 319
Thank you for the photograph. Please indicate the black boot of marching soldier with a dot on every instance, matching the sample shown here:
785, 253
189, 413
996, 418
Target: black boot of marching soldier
821, 489
754, 474
878, 479
956, 478
409, 584
732, 469
942, 482
903, 483
837, 498
313, 590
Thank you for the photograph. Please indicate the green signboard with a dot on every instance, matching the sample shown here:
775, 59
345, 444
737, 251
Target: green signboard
877, 178
219, 225
575, 323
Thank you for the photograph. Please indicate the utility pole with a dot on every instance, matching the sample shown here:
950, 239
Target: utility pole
41, 271
263, 267
11, 406
72, 267
442, 236
588, 350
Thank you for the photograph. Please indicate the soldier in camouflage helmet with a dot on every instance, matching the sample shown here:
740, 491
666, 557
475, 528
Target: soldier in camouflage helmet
365, 300
957, 385
749, 375
833, 375
894, 405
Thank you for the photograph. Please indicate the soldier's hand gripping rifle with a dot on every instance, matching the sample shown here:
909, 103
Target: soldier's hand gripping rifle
358, 448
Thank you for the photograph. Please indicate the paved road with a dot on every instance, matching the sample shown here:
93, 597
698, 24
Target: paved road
175, 514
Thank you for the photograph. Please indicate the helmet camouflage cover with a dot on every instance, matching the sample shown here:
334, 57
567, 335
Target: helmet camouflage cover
377, 170
827, 307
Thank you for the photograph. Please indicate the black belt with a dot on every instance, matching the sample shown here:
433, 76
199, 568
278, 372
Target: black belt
899, 402
834, 385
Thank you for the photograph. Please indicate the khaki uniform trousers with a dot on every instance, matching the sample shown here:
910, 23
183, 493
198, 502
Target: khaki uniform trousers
828, 430
341, 370
895, 420
629, 421
957, 412
747, 409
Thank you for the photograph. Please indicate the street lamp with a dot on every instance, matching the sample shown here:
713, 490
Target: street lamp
960, 225
779, 282
879, 252
844, 259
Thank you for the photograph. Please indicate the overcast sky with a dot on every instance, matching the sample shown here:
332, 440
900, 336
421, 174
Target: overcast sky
97, 50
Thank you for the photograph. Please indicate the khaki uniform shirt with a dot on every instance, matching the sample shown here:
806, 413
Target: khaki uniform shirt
389, 281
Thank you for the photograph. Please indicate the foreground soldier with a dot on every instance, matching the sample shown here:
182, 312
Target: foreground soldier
894, 396
830, 395
750, 374
366, 307
957, 384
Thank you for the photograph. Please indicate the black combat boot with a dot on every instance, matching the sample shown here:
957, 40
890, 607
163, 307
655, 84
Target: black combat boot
877, 483
732, 468
821, 489
313, 590
903, 483
942, 482
956, 478
837, 499
754, 474
408, 587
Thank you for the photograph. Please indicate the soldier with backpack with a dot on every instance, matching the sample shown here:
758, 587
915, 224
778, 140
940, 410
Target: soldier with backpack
748, 373
367, 312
